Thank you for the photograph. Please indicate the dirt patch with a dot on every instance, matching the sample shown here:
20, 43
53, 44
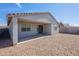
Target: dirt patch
54, 45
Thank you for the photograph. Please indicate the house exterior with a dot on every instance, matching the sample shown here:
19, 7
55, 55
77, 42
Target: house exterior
27, 24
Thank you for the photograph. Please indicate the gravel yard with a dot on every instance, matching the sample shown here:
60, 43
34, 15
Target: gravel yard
58, 45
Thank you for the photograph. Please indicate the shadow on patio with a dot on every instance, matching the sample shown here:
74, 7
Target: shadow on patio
5, 43
5, 40
31, 37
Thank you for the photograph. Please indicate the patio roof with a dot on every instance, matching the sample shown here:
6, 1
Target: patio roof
43, 17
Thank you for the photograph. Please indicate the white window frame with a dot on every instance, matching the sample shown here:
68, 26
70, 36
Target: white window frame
26, 26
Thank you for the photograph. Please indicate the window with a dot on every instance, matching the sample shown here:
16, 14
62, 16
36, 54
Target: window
25, 27
28, 29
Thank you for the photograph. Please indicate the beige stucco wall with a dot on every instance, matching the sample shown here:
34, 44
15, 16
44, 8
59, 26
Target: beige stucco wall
53, 30
47, 29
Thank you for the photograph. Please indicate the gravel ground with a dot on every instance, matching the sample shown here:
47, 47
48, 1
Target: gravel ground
55, 45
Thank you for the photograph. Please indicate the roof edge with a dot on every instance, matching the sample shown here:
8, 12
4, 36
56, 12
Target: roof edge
53, 17
33, 13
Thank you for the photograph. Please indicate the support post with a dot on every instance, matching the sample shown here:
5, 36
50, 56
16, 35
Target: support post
52, 29
15, 31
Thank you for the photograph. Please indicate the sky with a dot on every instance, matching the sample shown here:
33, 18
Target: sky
63, 12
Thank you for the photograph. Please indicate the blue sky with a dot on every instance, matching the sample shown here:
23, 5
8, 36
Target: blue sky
66, 13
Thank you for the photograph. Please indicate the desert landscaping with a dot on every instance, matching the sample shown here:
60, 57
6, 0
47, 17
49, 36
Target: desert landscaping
50, 45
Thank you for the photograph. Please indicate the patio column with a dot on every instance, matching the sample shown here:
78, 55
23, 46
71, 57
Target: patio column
52, 29
15, 31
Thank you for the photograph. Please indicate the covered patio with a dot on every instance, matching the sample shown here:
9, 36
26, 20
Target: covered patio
37, 29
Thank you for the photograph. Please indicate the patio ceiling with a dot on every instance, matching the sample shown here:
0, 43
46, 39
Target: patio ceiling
42, 20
